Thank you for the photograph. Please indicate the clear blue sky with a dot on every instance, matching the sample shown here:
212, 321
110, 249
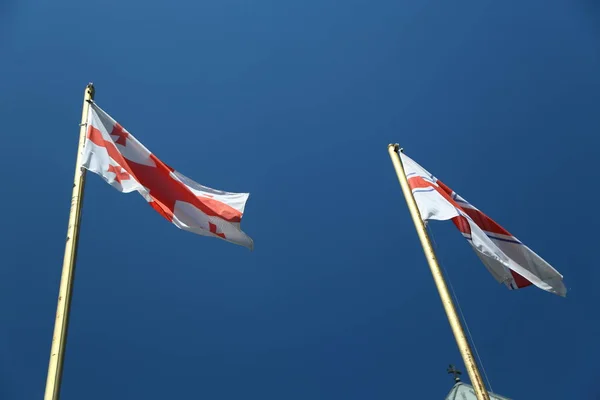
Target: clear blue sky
296, 102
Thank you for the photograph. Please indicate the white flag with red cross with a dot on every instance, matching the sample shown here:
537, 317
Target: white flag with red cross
506, 257
123, 162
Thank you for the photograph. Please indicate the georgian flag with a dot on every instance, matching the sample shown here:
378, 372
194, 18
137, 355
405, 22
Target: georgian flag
124, 163
505, 257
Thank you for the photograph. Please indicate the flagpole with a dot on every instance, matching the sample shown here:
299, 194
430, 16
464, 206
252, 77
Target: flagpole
59, 338
438, 277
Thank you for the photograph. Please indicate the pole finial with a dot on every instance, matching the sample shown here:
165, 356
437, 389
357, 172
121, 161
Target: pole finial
396, 147
91, 89
455, 372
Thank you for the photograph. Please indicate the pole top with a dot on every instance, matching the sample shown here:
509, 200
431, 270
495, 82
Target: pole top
91, 89
455, 372
396, 147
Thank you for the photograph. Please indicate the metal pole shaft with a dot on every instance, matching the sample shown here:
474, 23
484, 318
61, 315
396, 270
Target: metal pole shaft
438, 277
59, 338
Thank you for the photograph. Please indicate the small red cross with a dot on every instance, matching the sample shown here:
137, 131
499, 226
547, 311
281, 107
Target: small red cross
120, 173
213, 229
121, 134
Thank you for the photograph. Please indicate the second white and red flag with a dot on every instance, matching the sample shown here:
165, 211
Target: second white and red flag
505, 257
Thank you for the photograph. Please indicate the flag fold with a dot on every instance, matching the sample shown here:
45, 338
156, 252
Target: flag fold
124, 163
505, 257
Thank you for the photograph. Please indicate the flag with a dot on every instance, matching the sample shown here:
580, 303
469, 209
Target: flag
505, 257
124, 163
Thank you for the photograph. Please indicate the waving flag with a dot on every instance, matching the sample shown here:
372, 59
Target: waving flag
506, 258
123, 162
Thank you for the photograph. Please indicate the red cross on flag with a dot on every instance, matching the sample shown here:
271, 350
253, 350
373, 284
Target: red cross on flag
125, 164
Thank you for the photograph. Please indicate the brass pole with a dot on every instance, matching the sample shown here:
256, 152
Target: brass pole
59, 338
438, 277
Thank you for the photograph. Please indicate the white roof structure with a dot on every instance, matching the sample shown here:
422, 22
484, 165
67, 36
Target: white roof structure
463, 391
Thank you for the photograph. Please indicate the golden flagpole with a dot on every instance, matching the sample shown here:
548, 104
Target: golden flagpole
59, 338
457, 329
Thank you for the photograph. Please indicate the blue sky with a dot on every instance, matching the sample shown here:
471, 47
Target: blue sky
295, 102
